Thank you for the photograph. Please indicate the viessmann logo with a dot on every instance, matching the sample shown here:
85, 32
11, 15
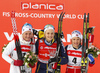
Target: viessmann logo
42, 6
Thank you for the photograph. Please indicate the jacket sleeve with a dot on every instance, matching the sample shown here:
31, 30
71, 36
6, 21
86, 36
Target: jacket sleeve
7, 51
64, 56
91, 64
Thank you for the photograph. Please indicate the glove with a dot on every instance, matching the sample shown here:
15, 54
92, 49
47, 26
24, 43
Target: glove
54, 66
91, 59
31, 65
62, 35
35, 32
18, 62
55, 59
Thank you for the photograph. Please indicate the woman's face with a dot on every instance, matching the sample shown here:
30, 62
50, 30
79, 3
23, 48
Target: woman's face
49, 35
76, 42
27, 35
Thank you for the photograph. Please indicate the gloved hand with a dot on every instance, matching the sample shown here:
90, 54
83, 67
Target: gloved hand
18, 62
32, 66
54, 66
91, 59
55, 59
35, 32
62, 35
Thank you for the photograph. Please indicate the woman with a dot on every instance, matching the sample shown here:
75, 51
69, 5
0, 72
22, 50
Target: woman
25, 43
46, 50
74, 52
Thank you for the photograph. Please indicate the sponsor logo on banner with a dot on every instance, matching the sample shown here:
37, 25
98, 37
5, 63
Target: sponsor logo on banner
42, 6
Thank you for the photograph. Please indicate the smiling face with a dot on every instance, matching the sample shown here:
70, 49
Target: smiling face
76, 42
49, 35
27, 35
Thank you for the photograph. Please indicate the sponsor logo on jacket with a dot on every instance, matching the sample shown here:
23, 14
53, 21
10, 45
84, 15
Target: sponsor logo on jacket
49, 48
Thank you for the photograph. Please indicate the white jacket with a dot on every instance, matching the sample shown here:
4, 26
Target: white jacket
11, 50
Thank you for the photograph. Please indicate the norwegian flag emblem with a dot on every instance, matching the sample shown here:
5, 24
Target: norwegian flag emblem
30, 29
76, 34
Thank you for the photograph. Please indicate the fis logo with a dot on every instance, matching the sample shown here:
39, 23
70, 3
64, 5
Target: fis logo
42, 6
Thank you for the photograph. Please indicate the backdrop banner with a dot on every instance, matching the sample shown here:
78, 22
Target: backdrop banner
41, 12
